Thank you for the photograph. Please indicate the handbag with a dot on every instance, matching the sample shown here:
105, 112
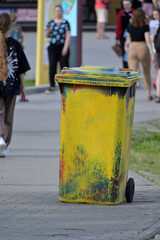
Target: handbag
117, 49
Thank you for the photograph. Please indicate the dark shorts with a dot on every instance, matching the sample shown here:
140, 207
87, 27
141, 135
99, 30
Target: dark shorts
158, 60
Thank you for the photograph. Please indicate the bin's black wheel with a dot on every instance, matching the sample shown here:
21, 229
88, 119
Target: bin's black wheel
130, 190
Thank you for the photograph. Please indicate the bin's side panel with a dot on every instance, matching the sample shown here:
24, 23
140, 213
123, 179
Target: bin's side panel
123, 133
94, 144
130, 103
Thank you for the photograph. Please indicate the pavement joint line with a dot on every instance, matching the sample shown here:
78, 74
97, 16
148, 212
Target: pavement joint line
132, 219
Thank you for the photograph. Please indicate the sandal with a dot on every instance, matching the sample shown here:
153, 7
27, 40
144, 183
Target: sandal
157, 99
24, 100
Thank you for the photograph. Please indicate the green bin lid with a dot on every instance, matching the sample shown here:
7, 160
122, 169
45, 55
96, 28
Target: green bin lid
101, 76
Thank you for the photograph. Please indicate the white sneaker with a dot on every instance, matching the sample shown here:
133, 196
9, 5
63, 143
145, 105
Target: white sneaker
3, 148
3, 153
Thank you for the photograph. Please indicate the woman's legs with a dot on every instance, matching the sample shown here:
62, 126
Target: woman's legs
144, 58
101, 27
53, 59
2, 114
102, 17
98, 30
122, 42
7, 106
158, 80
8, 120
139, 52
64, 60
158, 87
132, 58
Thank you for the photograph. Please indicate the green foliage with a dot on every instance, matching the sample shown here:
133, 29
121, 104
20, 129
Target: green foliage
146, 142
29, 83
145, 150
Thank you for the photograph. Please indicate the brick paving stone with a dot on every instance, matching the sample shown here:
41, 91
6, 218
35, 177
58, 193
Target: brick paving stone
29, 204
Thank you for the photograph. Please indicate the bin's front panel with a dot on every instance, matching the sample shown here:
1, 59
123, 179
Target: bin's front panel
96, 126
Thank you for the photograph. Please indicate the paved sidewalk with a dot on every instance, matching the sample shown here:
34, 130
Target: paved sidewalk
29, 204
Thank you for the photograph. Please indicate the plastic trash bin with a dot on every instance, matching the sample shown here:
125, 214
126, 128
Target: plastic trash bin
97, 109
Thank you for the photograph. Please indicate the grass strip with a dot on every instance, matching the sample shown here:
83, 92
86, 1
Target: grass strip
145, 152
29, 83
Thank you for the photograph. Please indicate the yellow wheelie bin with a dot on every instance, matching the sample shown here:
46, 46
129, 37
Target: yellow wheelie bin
97, 108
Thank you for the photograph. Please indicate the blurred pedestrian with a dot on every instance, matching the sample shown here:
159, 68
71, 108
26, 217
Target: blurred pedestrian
13, 65
58, 32
102, 16
136, 4
158, 4
154, 23
91, 15
147, 6
15, 30
158, 78
123, 19
156, 40
139, 47
153, 26
16, 33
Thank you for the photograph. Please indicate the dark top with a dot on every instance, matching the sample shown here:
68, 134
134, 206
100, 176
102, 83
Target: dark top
147, 1
136, 4
17, 64
137, 34
125, 20
58, 35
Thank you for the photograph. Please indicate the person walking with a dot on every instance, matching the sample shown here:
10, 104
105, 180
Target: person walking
156, 41
102, 17
16, 33
157, 4
147, 6
154, 23
153, 26
158, 79
136, 4
123, 19
58, 32
15, 29
139, 47
13, 65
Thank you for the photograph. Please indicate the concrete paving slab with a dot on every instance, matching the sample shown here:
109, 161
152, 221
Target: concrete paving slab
29, 176
29, 204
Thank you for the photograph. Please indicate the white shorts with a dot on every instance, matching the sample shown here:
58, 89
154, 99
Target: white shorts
102, 15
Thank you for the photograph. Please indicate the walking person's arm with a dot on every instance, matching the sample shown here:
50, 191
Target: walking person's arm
127, 42
22, 87
48, 31
66, 43
155, 4
118, 27
149, 45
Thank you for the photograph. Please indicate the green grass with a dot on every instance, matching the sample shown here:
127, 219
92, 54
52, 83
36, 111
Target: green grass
29, 83
145, 151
